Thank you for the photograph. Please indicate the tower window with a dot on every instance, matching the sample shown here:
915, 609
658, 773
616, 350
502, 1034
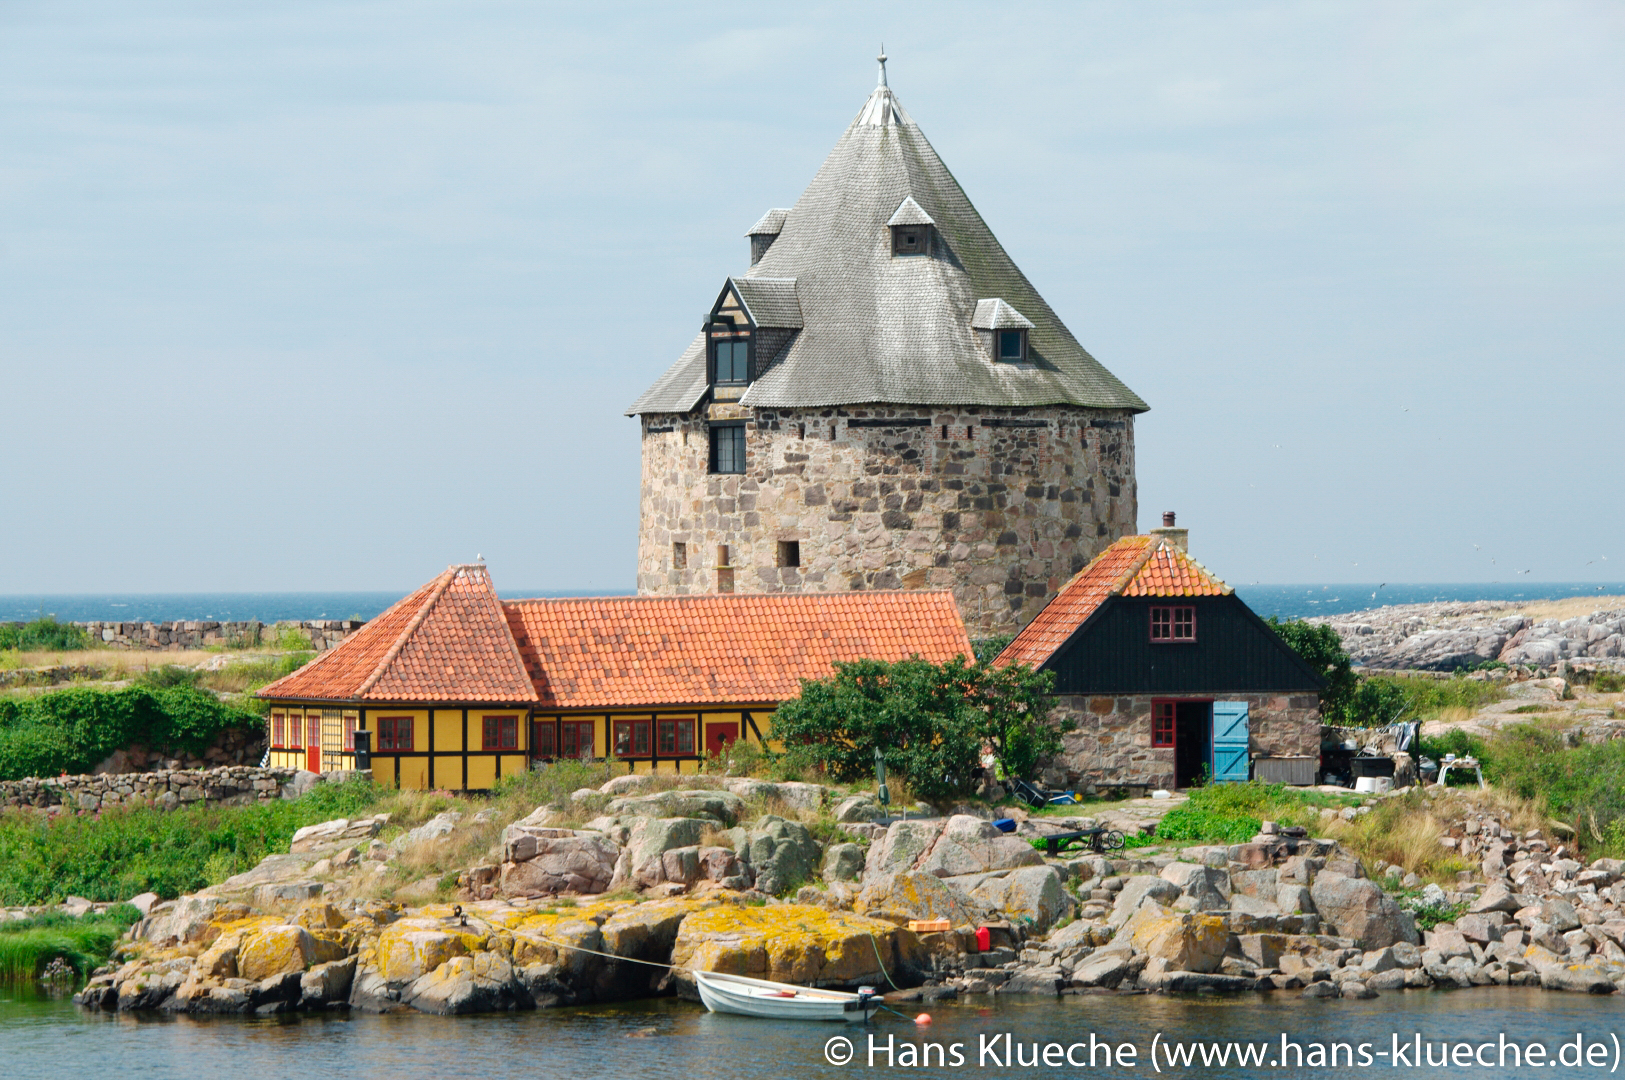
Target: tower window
910, 239
1012, 346
679, 556
730, 360
789, 552
728, 448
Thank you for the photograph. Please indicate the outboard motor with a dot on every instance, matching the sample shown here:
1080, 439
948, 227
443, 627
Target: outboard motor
868, 999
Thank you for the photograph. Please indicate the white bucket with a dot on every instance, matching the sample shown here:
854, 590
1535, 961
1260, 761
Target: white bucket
1374, 785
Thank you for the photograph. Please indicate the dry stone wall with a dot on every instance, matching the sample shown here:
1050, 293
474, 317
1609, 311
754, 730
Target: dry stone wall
1112, 740
1001, 506
166, 789
322, 634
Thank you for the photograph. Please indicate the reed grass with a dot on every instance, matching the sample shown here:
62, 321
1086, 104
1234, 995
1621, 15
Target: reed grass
84, 943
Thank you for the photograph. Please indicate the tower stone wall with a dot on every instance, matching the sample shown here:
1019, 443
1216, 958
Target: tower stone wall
999, 504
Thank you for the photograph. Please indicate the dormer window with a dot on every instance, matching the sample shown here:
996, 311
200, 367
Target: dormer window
1003, 330
730, 360
910, 229
1012, 346
910, 239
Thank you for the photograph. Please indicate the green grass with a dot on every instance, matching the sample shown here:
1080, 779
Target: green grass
28, 945
118, 854
1233, 813
1385, 699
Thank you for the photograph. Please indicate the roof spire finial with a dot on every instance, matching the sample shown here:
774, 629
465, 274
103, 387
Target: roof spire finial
882, 59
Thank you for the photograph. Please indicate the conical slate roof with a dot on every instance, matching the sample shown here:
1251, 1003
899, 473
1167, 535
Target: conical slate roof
880, 328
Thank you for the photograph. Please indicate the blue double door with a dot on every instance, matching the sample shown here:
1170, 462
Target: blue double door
1209, 739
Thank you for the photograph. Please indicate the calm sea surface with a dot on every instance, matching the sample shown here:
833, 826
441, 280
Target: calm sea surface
1285, 601
668, 1039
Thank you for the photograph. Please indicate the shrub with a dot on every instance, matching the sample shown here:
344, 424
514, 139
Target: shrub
1322, 649
928, 722
44, 634
70, 731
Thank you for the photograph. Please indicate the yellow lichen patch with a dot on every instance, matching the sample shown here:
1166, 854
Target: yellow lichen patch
793, 943
409, 948
274, 950
319, 915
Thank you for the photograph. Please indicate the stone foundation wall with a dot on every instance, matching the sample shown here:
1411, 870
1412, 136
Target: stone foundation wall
322, 634
1001, 506
166, 789
1112, 740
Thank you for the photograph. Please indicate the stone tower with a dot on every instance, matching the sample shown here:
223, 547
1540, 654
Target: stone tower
883, 401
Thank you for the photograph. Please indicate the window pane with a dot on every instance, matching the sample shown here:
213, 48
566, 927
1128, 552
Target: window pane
1010, 344
741, 361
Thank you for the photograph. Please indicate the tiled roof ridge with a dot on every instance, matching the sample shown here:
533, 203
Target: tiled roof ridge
641, 599
440, 586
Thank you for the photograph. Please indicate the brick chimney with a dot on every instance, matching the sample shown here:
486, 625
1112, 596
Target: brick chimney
1181, 538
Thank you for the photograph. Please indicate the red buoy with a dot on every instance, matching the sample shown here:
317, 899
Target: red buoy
923, 1019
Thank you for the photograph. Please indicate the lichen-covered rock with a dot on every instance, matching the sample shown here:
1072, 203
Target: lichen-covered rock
481, 982
844, 862
720, 806
188, 921
1176, 941
858, 808
436, 828
900, 898
641, 863
949, 848
319, 915
411, 948
1358, 909
792, 943
781, 854
1203, 888
1136, 890
266, 951
1031, 895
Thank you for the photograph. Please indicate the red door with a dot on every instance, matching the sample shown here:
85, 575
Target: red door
313, 742
718, 736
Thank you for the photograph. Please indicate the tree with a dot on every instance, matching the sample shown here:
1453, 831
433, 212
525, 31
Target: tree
1322, 649
929, 721
1010, 710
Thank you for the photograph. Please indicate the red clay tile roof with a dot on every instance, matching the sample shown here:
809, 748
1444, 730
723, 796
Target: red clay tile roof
743, 648
1134, 566
447, 642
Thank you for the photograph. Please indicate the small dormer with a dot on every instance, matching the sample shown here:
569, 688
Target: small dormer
1003, 331
764, 232
747, 311
911, 229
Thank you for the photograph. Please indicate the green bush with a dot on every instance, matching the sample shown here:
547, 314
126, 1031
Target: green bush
928, 721
1233, 813
70, 731
1583, 786
121, 853
43, 634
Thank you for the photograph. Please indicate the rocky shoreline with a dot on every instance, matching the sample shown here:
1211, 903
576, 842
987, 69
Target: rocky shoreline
1448, 636
663, 883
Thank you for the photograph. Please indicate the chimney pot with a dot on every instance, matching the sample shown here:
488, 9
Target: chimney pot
1168, 519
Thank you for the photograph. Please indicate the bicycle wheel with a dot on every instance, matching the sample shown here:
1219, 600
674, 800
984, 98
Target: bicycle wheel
1113, 840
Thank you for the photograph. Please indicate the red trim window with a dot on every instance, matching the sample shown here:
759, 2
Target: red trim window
543, 742
1171, 624
296, 731
276, 729
631, 738
576, 739
394, 733
1162, 723
501, 733
676, 736
349, 734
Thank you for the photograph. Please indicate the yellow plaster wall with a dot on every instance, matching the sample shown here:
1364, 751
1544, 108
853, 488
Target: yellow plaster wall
482, 771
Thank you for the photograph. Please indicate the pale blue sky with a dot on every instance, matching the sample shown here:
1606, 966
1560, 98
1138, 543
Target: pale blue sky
326, 296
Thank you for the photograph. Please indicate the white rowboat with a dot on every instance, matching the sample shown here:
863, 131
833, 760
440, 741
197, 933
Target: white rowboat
781, 1001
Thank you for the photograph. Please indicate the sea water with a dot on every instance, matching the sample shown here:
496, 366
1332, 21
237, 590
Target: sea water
1283, 601
1128, 1036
